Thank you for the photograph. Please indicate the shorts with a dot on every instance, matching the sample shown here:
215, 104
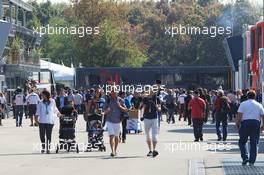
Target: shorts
32, 109
113, 129
153, 125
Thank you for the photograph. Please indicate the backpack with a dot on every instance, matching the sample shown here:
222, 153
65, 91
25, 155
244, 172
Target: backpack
224, 107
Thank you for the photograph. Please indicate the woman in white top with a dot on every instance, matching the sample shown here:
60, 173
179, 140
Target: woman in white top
46, 114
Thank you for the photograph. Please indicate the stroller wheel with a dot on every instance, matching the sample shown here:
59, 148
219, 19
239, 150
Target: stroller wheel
103, 149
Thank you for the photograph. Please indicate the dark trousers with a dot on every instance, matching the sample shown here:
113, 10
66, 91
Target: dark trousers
181, 109
213, 115
251, 129
232, 111
171, 115
19, 115
197, 128
221, 118
207, 111
124, 130
26, 111
45, 132
188, 116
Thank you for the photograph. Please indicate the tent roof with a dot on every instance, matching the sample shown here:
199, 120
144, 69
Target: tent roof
61, 72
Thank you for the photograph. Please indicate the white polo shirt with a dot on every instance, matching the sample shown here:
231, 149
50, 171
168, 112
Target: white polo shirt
19, 100
33, 99
251, 109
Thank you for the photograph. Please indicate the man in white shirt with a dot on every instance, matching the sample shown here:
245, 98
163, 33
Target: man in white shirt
32, 102
78, 100
250, 114
18, 102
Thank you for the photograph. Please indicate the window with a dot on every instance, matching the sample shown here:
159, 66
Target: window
44, 78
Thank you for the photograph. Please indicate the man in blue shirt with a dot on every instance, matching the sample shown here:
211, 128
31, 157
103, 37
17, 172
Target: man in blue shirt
60, 100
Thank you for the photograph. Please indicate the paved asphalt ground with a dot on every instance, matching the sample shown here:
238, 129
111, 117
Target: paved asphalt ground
179, 155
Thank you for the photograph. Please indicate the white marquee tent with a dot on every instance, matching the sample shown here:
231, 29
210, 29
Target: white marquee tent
61, 73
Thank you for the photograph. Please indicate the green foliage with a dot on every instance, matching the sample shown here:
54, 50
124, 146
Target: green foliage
133, 34
15, 50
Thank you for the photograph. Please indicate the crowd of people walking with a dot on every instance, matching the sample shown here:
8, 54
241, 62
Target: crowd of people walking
196, 108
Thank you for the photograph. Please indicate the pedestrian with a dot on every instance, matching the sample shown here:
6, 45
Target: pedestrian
233, 101
181, 102
222, 106
60, 99
32, 102
244, 96
2, 107
46, 114
125, 116
197, 106
170, 103
18, 102
187, 114
70, 95
78, 100
213, 99
26, 105
151, 107
113, 109
208, 104
250, 114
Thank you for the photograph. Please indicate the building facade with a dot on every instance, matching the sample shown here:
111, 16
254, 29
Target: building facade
17, 44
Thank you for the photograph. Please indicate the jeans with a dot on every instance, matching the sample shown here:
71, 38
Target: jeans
45, 132
251, 129
171, 115
221, 118
198, 128
19, 114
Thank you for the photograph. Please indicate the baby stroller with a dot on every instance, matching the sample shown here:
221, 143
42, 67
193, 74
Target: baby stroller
67, 134
95, 133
